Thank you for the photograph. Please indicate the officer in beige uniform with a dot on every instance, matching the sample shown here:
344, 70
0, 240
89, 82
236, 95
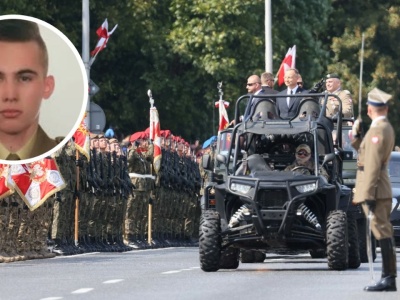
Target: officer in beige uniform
373, 188
333, 86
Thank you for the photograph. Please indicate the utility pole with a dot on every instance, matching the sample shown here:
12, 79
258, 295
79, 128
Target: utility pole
85, 48
268, 37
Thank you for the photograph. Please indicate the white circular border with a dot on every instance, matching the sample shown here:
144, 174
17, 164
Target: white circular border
85, 91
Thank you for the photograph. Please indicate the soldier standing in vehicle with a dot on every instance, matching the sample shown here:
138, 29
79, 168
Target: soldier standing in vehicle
333, 86
373, 188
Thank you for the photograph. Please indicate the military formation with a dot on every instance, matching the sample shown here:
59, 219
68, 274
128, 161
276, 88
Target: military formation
114, 200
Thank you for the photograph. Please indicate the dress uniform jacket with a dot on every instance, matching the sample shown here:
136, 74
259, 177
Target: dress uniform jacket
332, 106
374, 151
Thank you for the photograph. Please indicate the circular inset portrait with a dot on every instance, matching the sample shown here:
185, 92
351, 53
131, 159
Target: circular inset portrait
43, 89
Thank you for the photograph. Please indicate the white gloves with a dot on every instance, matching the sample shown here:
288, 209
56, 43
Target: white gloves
356, 129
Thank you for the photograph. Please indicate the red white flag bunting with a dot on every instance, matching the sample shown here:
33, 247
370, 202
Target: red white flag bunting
36, 182
81, 137
103, 35
155, 136
4, 189
288, 62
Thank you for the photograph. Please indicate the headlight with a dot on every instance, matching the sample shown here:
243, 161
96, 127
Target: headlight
306, 188
240, 188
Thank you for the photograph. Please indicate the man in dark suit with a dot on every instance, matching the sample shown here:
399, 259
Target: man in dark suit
24, 83
288, 106
253, 88
267, 83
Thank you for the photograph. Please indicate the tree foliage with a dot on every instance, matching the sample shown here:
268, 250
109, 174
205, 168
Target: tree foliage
181, 49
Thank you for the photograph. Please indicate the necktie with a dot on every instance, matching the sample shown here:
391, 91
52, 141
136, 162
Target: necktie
13, 156
288, 98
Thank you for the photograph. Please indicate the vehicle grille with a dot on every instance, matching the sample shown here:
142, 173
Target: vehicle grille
272, 198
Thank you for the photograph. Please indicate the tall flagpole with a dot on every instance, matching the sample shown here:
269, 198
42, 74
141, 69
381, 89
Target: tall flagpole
150, 205
85, 58
268, 37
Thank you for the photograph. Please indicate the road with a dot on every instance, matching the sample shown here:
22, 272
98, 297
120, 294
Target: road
174, 273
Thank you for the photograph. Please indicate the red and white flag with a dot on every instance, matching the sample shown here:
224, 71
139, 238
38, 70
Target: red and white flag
103, 35
223, 115
155, 136
81, 137
36, 182
4, 189
288, 62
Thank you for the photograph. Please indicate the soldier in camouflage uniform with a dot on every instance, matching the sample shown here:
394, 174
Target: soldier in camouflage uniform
136, 168
95, 188
148, 155
10, 248
116, 203
104, 193
61, 230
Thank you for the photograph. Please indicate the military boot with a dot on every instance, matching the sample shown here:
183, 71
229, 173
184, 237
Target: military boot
388, 280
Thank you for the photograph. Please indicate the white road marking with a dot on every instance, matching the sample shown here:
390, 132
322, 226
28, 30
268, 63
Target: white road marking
82, 291
52, 298
178, 271
171, 272
113, 281
135, 251
75, 255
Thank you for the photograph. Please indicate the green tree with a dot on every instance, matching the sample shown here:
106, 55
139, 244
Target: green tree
380, 23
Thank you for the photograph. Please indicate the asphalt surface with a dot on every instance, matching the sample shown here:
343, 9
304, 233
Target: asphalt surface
174, 273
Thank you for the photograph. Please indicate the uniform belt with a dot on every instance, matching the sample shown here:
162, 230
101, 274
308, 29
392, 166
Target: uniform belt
361, 168
136, 175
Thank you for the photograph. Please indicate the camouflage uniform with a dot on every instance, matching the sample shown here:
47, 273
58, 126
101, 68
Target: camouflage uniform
61, 230
136, 204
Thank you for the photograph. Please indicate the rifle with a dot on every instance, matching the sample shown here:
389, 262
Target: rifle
103, 185
128, 185
110, 184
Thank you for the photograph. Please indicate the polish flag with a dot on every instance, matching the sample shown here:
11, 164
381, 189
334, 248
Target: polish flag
223, 115
155, 136
103, 35
288, 62
81, 137
36, 182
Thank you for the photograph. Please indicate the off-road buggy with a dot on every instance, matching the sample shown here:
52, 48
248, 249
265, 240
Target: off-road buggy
253, 205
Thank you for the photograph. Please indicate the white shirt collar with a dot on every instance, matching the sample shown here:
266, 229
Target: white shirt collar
294, 90
377, 119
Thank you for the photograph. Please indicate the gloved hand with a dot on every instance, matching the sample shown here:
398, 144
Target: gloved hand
371, 205
356, 129
317, 86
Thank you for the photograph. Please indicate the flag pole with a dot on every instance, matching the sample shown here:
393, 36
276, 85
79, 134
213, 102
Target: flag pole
150, 210
86, 61
361, 73
76, 235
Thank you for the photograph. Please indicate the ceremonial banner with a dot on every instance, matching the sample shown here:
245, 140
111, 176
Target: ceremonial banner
36, 182
155, 135
4, 189
81, 136
223, 115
